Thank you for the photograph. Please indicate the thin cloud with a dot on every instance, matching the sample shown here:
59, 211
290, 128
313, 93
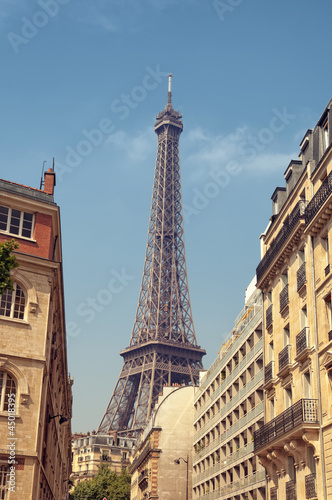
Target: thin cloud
109, 16
96, 15
204, 151
137, 148
11, 9
126, 16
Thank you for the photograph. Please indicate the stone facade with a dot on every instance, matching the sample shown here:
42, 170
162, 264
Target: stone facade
35, 390
294, 274
162, 465
229, 407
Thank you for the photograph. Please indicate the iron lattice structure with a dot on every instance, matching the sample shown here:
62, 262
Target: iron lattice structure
163, 350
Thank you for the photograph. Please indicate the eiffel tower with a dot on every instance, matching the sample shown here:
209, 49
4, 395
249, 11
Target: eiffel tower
163, 350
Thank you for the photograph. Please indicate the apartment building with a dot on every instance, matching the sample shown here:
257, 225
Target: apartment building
294, 275
35, 388
229, 408
92, 451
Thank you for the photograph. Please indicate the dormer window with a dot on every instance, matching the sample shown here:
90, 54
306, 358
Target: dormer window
325, 130
15, 222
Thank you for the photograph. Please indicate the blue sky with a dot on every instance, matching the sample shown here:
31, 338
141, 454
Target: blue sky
83, 81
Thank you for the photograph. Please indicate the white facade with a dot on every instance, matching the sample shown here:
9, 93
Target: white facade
229, 407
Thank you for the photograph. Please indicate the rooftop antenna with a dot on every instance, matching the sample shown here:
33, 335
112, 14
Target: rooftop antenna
42, 182
169, 94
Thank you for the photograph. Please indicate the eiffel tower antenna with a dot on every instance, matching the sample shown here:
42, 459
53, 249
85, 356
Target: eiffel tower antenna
163, 350
169, 95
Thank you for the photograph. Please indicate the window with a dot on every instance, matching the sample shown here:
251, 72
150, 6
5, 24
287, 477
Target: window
4, 470
16, 222
12, 303
311, 460
306, 385
284, 280
325, 243
269, 299
286, 336
325, 129
328, 310
288, 397
270, 352
291, 468
303, 318
301, 271
7, 387
301, 257
272, 413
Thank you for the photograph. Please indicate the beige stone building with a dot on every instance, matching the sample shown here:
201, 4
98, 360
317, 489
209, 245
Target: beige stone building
294, 274
162, 465
92, 451
35, 390
229, 408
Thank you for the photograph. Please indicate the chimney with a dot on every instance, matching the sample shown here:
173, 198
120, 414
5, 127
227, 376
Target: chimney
49, 181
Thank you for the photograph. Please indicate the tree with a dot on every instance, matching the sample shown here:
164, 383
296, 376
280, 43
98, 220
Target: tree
7, 263
106, 484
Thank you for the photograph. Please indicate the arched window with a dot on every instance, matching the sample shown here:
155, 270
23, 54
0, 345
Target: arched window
7, 387
13, 303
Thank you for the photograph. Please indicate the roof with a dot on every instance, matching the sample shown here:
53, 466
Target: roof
26, 191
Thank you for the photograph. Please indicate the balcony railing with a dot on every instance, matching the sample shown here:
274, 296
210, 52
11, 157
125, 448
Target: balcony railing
223, 463
268, 317
274, 493
284, 357
327, 269
302, 341
254, 414
284, 233
234, 374
234, 345
291, 490
310, 486
230, 488
283, 297
303, 411
268, 372
319, 199
301, 277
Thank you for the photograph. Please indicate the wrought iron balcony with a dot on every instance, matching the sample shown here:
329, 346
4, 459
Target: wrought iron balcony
291, 490
284, 358
269, 317
274, 493
302, 341
268, 372
283, 297
327, 269
304, 411
301, 277
319, 199
310, 486
284, 233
